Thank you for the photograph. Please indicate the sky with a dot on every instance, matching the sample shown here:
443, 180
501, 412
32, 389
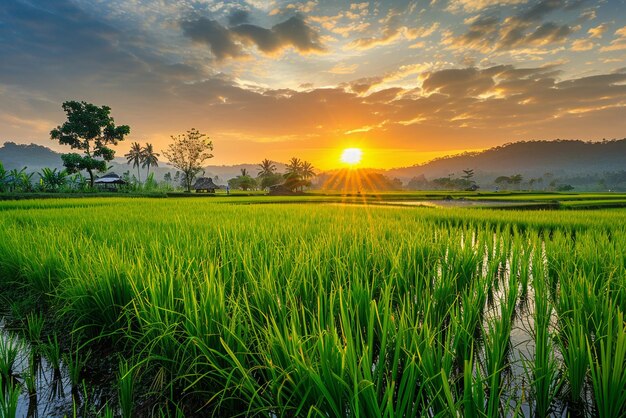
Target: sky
406, 81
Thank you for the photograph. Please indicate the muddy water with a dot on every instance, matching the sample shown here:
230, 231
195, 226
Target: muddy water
49, 392
52, 395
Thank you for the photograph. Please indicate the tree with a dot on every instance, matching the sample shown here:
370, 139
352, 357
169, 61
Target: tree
267, 168
503, 179
188, 152
516, 179
469, 173
52, 180
90, 129
294, 166
243, 182
135, 156
307, 170
3, 177
150, 158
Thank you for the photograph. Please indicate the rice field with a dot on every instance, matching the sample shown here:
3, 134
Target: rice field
214, 309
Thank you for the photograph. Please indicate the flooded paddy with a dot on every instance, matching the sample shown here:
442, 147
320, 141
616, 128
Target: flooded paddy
295, 309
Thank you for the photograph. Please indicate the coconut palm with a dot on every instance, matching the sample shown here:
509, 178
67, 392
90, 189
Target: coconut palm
135, 156
294, 166
244, 172
307, 170
267, 168
150, 158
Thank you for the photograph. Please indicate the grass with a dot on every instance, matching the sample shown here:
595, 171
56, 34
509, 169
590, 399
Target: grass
232, 309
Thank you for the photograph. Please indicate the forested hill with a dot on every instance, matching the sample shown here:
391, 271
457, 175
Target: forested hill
531, 159
34, 157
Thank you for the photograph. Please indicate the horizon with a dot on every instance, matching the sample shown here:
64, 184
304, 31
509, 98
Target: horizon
403, 82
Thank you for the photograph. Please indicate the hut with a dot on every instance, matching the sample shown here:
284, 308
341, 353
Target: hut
109, 181
206, 185
281, 190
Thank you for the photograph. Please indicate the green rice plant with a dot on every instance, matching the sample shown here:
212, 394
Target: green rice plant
290, 310
126, 388
10, 348
473, 394
9, 397
608, 366
572, 344
51, 350
34, 327
544, 368
75, 361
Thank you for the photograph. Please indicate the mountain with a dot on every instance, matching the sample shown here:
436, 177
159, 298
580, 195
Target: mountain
559, 158
564, 158
34, 157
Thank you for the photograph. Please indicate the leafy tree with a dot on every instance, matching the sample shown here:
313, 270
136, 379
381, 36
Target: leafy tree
516, 180
135, 156
243, 182
271, 180
51, 180
167, 177
150, 158
187, 153
3, 178
503, 179
90, 129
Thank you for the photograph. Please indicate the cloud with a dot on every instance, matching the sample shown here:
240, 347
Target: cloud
238, 16
471, 6
343, 69
488, 33
598, 31
617, 44
393, 30
582, 45
218, 38
229, 42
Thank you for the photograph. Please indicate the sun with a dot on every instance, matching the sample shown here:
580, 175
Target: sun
351, 156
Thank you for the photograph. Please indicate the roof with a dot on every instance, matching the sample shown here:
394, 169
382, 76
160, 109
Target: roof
205, 183
110, 178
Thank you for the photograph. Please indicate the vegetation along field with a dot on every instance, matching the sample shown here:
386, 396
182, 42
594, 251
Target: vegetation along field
196, 307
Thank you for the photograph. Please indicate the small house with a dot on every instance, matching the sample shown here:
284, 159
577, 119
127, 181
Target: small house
206, 185
109, 181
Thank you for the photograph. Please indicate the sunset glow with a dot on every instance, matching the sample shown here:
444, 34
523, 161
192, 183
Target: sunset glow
351, 156
279, 79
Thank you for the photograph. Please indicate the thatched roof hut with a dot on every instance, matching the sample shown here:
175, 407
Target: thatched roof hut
205, 184
109, 181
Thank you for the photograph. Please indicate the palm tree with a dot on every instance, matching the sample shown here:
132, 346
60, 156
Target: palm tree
294, 166
307, 170
150, 158
267, 168
135, 156
244, 172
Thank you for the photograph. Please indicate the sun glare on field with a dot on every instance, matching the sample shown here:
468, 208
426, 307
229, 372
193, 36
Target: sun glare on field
351, 156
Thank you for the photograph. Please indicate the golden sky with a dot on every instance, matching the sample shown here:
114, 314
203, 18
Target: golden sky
406, 81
